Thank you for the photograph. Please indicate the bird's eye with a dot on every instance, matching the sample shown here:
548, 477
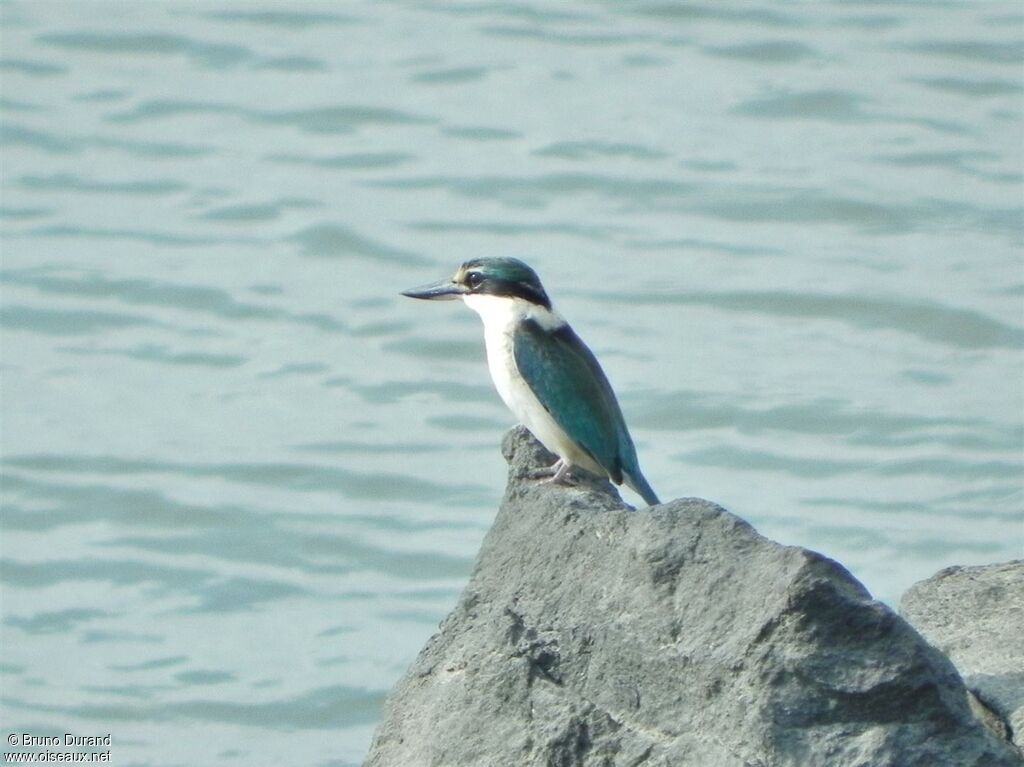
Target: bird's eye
474, 279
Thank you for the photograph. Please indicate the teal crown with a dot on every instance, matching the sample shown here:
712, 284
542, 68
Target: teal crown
503, 276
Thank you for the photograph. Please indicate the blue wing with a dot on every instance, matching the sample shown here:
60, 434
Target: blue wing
571, 386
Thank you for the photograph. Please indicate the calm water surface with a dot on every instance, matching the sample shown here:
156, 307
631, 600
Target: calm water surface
243, 479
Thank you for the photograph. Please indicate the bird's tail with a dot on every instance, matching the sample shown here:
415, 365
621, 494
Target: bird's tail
636, 482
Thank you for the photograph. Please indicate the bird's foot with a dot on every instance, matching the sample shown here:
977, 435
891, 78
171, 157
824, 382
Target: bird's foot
557, 473
547, 471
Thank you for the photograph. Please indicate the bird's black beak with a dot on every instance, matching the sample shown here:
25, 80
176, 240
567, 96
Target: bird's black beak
445, 290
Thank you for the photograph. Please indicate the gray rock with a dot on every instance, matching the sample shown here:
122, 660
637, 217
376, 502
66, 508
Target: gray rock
975, 615
592, 635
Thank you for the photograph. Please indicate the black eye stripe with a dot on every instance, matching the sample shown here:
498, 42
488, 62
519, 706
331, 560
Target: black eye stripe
533, 293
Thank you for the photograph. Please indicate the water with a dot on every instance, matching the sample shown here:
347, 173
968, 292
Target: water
243, 479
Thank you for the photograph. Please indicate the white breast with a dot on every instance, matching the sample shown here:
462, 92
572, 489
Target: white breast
500, 316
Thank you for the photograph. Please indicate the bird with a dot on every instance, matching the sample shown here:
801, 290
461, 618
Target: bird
544, 373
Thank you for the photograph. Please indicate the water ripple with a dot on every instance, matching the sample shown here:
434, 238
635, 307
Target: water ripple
986, 504
324, 708
214, 55
218, 535
293, 64
948, 326
333, 240
435, 348
450, 391
971, 50
504, 228
826, 417
818, 467
66, 322
151, 664
68, 503
150, 237
210, 591
588, 150
354, 161
201, 677
32, 68
20, 135
12, 134
144, 292
104, 95
451, 76
342, 119
819, 207
163, 108
833, 106
58, 621
481, 133
162, 355
980, 89
545, 35
301, 477
283, 19
359, 447
244, 214
513, 10
24, 214
830, 105
766, 52
322, 553
307, 368
67, 181
327, 119
159, 293
44, 574
691, 12
12, 105
951, 159
539, 190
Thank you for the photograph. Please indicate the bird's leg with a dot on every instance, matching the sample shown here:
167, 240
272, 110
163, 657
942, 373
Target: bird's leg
558, 473
561, 476
548, 471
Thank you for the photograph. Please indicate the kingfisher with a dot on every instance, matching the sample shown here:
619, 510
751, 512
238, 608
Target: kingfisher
544, 373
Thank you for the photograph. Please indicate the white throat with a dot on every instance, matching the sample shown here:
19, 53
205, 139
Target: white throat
503, 313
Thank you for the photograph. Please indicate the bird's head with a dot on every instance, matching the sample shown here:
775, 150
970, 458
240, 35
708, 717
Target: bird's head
501, 277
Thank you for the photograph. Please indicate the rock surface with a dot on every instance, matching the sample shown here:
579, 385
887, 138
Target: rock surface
975, 615
593, 635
